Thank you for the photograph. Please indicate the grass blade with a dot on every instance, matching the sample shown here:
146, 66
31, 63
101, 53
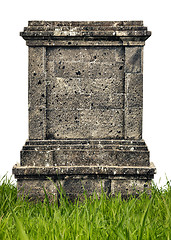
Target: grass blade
47, 201
21, 231
143, 219
98, 217
120, 235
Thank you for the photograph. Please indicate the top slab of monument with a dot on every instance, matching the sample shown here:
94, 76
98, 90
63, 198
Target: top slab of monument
58, 29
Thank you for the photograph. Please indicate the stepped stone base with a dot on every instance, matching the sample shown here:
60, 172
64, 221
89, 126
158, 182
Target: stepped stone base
84, 165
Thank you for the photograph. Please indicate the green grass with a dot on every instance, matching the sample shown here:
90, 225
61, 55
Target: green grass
105, 218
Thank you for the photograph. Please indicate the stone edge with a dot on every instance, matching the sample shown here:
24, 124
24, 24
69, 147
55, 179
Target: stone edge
56, 30
20, 171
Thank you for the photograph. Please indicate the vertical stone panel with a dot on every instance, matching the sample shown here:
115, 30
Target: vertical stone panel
133, 123
85, 92
133, 92
37, 92
133, 59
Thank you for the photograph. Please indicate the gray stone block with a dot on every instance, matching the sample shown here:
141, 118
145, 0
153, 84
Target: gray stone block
34, 189
37, 92
36, 158
133, 123
37, 125
134, 89
113, 180
129, 187
133, 59
85, 153
88, 123
85, 88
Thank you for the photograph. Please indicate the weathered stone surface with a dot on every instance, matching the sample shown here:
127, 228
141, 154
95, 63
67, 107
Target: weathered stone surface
134, 90
133, 59
55, 30
85, 109
37, 92
62, 172
133, 123
92, 153
88, 123
130, 187
34, 188
77, 180
36, 158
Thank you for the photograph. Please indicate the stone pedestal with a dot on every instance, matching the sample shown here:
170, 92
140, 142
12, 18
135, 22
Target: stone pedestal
85, 109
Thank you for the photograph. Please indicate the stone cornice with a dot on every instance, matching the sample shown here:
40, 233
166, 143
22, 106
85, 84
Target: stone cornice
117, 31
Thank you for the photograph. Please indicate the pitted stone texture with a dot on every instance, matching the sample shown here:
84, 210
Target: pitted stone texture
36, 158
85, 108
133, 58
80, 101
130, 180
133, 123
85, 92
130, 187
134, 90
85, 54
88, 29
78, 186
85, 62
37, 93
86, 123
34, 189
112, 172
85, 153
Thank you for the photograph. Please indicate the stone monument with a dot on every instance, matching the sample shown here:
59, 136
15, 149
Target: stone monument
85, 86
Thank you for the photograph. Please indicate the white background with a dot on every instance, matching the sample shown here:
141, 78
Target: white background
14, 16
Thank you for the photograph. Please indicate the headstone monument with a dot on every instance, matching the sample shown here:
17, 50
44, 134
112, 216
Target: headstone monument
85, 86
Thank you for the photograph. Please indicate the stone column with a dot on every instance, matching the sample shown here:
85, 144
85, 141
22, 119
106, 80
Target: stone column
85, 109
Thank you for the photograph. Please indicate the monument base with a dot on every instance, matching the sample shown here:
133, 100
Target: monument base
80, 166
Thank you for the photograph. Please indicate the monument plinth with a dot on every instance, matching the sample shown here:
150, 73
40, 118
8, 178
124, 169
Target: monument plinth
85, 88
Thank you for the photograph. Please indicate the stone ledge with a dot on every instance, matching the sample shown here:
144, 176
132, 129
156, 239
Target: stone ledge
113, 42
113, 29
83, 141
82, 23
114, 171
